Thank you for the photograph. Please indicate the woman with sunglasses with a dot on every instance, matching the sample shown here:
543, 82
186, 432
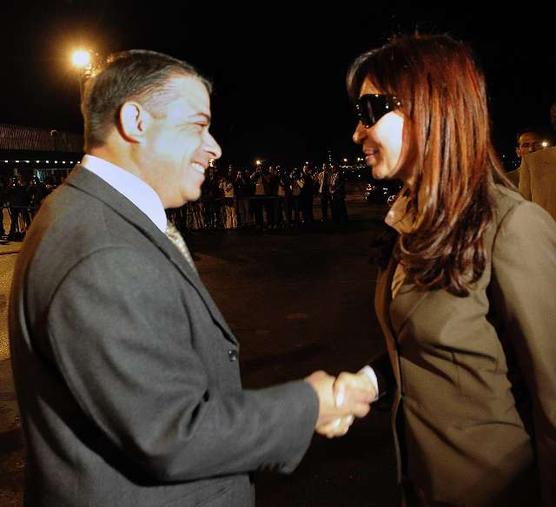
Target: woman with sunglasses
466, 297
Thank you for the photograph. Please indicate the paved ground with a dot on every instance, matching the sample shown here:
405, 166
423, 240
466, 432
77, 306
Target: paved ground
298, 301
11, 456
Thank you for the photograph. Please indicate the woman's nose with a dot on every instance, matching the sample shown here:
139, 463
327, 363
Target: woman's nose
359, 133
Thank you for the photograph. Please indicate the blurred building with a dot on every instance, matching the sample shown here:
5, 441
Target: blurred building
31, 151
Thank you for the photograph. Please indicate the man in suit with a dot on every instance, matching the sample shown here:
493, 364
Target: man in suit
537, 178
527, 141
126, 372
537, 173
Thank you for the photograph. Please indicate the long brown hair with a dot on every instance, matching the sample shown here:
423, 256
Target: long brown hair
447, 149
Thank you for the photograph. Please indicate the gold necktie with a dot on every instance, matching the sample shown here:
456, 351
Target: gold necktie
175, 237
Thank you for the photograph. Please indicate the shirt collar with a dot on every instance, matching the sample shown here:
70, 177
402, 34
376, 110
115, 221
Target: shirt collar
397, 217
130, 186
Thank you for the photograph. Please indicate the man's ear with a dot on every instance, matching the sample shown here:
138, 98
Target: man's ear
133, 122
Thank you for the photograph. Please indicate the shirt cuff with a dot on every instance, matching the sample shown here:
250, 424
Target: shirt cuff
370, 373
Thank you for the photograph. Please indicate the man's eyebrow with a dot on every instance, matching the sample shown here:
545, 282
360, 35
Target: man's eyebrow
204, 116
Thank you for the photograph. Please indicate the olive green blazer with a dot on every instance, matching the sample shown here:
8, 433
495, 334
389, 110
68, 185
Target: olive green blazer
476, 375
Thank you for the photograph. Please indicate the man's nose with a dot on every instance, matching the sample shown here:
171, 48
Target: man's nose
213, 147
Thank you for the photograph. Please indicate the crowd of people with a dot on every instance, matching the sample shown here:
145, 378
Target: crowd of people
263, 198
21, 198
267, 198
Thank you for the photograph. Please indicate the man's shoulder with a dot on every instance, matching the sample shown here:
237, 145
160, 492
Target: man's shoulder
72, 224
542, 157
72, 228
68, 211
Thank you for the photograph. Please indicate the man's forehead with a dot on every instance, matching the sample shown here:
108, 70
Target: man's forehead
192, 95
527, 136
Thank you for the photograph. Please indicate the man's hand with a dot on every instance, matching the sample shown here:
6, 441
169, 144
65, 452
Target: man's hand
348, 381
340, 401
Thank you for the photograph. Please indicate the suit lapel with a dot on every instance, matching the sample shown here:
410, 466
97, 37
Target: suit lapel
383, 299
94, 186
393, 314
404, 304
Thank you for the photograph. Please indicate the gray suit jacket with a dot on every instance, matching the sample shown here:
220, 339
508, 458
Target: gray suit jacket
467, 369
127, 374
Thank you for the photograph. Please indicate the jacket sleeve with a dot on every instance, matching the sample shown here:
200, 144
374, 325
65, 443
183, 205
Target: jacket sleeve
382, 368
123, 338
524, 277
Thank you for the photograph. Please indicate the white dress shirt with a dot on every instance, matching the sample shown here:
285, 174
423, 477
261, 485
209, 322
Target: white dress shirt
130, 186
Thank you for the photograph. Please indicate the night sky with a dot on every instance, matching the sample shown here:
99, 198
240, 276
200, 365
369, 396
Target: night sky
278, 71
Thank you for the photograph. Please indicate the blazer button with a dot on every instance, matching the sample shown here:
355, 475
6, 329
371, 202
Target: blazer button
232, 355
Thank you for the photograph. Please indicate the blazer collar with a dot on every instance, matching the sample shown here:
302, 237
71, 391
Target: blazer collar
394, 313
383, 299
94, 186
404, 304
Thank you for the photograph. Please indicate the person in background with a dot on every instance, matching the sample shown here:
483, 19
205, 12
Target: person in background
306, 195
527, 141
323, 185
338, 196
537, 173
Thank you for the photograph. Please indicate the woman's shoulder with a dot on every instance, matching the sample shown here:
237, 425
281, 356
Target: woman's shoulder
506, 200
513, 211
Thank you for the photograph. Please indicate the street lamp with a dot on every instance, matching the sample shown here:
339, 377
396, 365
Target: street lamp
82, 60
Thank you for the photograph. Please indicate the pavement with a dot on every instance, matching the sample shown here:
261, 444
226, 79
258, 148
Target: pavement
11, 455
298, 301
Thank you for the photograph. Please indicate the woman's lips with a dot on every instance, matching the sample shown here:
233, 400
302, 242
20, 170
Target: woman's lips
371, 156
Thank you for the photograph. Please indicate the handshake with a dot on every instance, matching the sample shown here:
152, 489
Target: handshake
341, 399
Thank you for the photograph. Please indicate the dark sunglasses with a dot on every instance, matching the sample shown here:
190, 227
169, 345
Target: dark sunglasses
372, 107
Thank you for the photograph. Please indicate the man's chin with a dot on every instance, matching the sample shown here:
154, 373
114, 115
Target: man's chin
189, 196
193, 195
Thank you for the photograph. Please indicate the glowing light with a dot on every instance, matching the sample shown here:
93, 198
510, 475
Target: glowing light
544, 144
81, 58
